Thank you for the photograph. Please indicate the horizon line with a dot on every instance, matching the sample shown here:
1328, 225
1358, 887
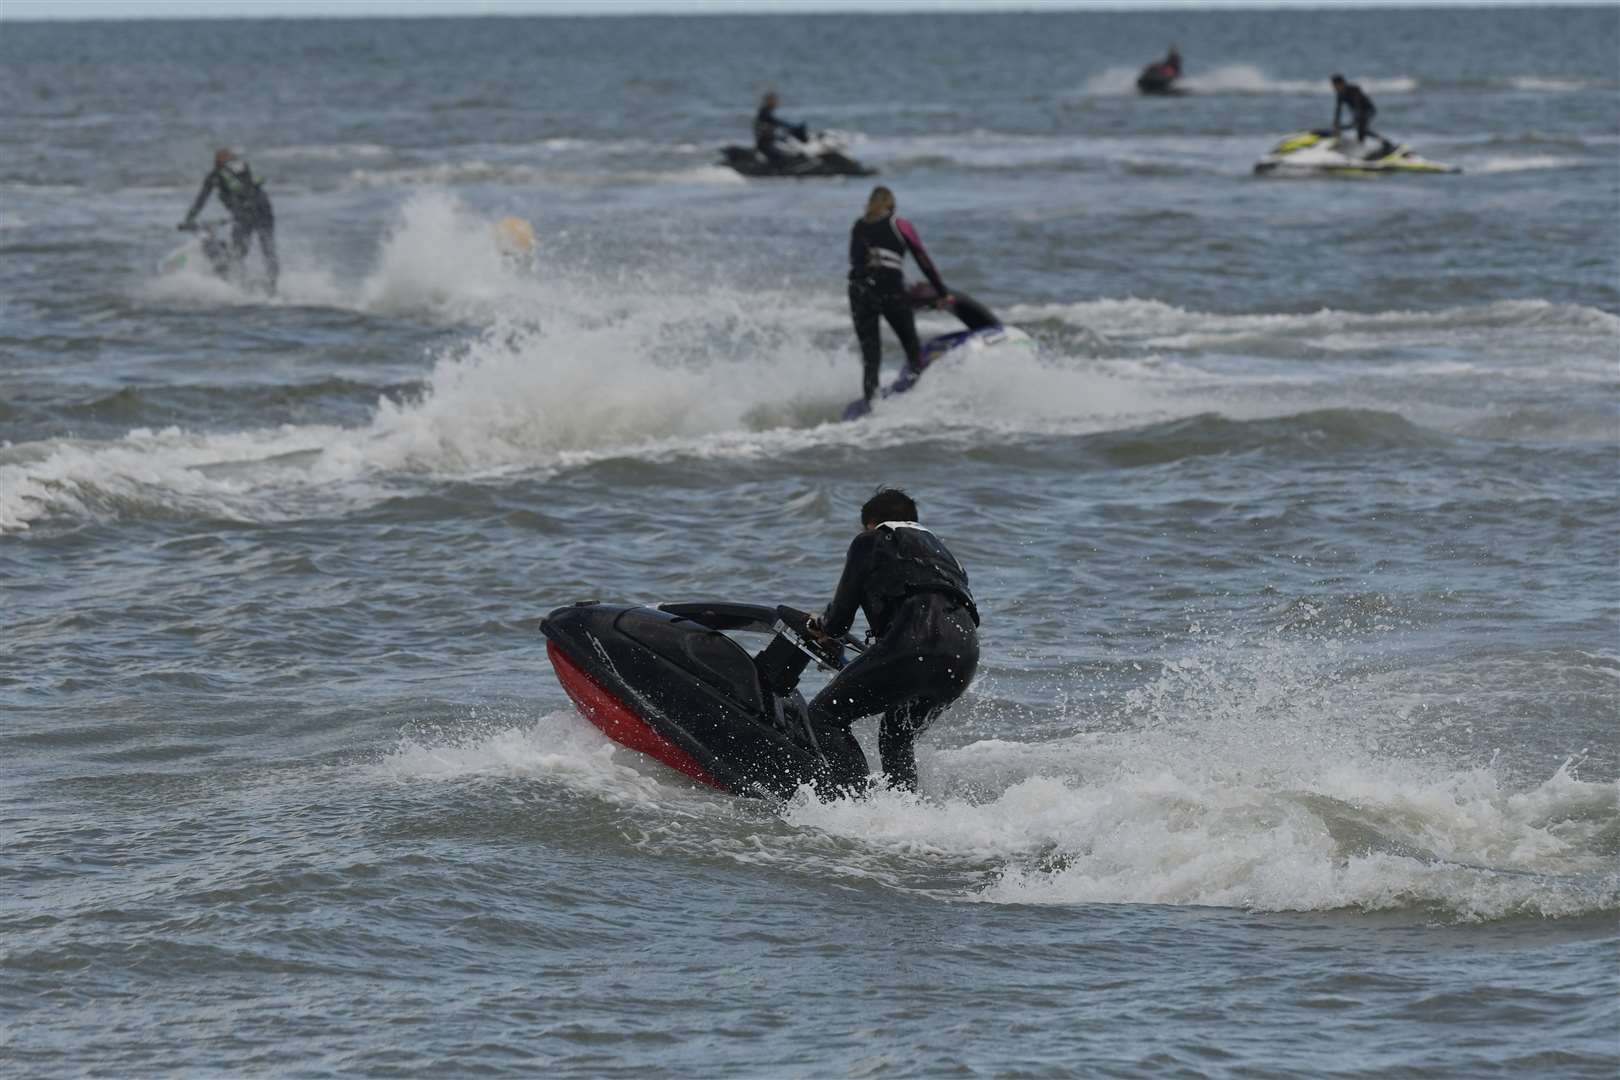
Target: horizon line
107, 11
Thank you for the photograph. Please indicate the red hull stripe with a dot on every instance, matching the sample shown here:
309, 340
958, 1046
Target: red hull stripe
618, 722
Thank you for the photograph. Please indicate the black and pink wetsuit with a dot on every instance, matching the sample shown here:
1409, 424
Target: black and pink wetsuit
877, 286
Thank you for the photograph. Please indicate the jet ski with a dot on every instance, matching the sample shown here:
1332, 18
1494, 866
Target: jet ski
209, 249
669, 682
1159, 78
984, 333
822, 153
1324, 152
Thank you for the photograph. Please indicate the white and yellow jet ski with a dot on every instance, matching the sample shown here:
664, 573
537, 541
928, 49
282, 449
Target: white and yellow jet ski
1326, 153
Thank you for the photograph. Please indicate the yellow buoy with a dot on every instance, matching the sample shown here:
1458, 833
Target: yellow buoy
514, 236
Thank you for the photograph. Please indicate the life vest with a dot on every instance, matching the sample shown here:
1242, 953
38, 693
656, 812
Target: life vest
765, 124
908, 561
240, 193
885, 253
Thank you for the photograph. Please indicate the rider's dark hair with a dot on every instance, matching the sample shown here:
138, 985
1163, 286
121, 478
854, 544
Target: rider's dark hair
888, 504
1337, 78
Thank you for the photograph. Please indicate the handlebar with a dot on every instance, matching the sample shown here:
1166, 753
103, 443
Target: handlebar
826, 651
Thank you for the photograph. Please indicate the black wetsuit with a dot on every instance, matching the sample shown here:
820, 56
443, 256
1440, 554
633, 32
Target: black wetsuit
921, 613
1362, 110
877, 250
249, 208
765, 125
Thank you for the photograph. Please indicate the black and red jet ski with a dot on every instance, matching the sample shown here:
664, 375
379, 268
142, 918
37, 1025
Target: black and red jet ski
669, 682
1160, 76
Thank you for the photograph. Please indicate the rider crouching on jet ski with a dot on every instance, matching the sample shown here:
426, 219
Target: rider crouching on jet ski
921, 613
765, 126
878, 244
1362, 110
249, 208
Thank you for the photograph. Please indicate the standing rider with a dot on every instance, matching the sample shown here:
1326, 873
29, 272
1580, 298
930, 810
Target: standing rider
1171, 64
1362, 110
765, 125
921, 612
878, 243
249, 207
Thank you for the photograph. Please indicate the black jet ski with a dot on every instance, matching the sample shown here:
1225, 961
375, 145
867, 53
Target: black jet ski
669, 682
824, 153
983, 332
1160, 78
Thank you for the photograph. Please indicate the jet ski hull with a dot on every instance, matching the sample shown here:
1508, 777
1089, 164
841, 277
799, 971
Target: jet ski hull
1321, 153
750, 162
670, 685
953, 347
1156, 82
618, 721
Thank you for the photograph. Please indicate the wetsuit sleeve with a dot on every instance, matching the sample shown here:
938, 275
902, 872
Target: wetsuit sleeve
920, 253
840, 614
857, 251
208, 185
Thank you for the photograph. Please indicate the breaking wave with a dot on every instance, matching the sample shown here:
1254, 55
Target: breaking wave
1247, 774
567, 373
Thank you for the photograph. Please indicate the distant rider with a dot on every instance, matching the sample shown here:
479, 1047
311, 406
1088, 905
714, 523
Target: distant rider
249, 207
878, 244
920, 611
1362, 110
1171, 64
765, 128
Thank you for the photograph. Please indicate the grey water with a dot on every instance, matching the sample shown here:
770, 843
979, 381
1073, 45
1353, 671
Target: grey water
1293, 749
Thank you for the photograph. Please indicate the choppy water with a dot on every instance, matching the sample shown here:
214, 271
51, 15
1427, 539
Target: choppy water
1293, 749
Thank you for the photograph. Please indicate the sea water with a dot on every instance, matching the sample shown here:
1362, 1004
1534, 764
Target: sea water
1293, 749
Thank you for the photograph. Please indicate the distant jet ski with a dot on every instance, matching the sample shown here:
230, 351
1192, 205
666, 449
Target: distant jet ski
984, 333
1159, 78
669, 682
208, 249
1322, 152
822, 153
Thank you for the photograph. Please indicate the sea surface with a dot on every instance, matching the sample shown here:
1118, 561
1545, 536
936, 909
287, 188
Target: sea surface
1293, 751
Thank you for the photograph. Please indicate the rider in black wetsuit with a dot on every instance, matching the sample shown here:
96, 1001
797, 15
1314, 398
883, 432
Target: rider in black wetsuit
765, 126
878, 243
921, 612
1362, 110
249, 208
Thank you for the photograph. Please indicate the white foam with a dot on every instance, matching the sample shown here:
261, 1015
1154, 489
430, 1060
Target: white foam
1245, 778
558, 746
1527, 164
1154, 322
1241, 79
449, 174
571, 372
1550, 85
438, 259
441, 258
325, 152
